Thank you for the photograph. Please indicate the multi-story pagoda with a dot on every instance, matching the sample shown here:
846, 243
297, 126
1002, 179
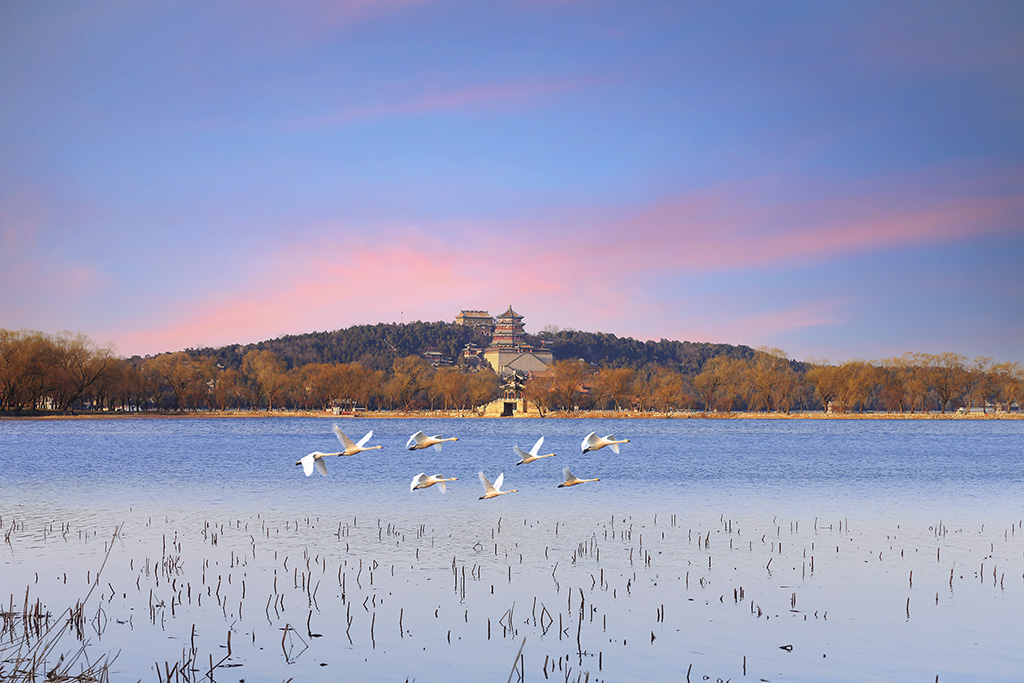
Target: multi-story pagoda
508, 330
509, 352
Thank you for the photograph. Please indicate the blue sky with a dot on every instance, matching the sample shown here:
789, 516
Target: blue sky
838, 180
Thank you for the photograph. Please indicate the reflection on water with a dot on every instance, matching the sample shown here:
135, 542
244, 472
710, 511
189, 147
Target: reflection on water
776, 550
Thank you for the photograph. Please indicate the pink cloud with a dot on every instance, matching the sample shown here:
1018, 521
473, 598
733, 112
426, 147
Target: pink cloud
738, 226
814, 313
410, 275
598, 270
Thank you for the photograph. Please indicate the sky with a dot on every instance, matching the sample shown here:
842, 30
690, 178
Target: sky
838, 180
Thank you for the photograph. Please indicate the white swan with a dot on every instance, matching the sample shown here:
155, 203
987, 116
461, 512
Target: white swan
315, 459
353, 448
495, 490
593, 442
420, 440
425, 481
526, 458
570, 480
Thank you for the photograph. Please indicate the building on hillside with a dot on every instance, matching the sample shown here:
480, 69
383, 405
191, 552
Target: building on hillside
476, 319
509, 352
436, 358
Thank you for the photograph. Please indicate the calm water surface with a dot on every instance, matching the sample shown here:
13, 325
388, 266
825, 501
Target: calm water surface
875, 549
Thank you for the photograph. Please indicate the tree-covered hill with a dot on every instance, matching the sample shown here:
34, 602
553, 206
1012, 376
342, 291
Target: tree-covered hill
608, 350
374, 346
377, 346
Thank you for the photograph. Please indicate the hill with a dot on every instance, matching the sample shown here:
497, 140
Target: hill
377, 346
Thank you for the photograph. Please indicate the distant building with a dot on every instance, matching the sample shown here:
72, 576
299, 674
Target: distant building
436, 359
509, 352
477, 319
511, 403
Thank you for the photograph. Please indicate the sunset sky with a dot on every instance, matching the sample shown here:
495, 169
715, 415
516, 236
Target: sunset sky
835, 179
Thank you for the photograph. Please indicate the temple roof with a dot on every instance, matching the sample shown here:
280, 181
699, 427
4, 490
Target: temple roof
510, 313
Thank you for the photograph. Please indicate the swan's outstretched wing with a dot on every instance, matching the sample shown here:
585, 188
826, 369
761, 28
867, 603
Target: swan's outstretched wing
417, 480
614, 446
362, 441
498, 482
415, 439
345, 441
523, 455
488, 488
437, 446
321, 466
444, 489
307, 463
589, 441
567, 474
536, 447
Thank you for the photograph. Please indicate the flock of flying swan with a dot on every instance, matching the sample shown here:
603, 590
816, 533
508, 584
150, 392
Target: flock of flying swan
419, 440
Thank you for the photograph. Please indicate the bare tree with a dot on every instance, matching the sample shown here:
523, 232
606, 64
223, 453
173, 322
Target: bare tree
1008, 379
483, 386
765, 375
946, 374
266, 374
567, 382
410, 376
667, 390
614, 384
976, 382
827, 383
450, 385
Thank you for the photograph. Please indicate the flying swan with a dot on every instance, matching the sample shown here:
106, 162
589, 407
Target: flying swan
315, 459
420, 440
526, 458
593, 442
570, 480
425, 481
495, 490
350, 447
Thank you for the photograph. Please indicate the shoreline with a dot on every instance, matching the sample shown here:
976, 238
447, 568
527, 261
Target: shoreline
455, 414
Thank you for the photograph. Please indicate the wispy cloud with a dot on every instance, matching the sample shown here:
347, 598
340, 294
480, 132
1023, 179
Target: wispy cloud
467, 98
815, 312
739, 226
292, 289
612, 270
297, 25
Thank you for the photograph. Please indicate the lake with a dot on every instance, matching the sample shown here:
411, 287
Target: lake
777, 550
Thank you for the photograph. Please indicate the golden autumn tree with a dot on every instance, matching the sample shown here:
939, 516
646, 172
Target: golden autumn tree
266, 374
615, 385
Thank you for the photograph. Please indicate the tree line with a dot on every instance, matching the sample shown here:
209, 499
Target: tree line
67, 371
770, 382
